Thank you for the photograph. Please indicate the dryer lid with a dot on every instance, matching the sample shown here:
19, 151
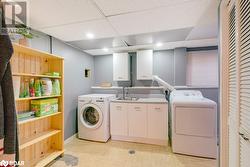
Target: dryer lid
187, 93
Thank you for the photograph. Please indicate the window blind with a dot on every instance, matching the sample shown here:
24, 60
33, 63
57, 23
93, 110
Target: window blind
202, 68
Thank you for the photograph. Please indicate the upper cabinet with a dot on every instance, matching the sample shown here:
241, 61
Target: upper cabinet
121, 67
144, 64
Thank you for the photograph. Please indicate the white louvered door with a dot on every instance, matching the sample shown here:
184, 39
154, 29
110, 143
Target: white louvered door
233, 111
244, 68
239, 83
235, 83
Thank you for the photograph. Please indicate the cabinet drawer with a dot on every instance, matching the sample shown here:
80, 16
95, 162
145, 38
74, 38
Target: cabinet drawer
158, 107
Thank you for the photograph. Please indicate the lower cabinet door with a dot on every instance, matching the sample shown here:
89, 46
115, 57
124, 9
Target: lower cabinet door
118, 119
137, 120
157, 121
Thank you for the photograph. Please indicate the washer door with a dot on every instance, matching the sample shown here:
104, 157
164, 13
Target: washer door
91, 116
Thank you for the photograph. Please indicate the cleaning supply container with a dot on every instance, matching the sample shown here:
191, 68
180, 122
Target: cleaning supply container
56, 87
46, 86
44, 106
16, 86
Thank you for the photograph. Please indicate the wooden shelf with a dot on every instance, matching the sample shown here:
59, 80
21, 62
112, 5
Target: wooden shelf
34, 98
37, 138
35, 75
47, 158
38, 118
39, 149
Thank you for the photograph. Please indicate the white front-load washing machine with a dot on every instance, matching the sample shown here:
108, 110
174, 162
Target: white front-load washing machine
93, 116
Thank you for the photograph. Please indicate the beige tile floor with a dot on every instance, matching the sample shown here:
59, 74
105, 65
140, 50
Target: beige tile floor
115, 154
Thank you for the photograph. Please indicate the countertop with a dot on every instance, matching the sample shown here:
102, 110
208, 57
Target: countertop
142, 100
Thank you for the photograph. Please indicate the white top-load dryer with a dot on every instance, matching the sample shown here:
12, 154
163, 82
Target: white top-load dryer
194, 124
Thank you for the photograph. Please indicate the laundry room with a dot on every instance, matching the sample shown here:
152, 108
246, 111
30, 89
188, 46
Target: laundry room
153, 83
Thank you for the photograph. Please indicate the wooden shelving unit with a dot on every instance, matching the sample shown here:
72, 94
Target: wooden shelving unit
38, 118
26, 142
41, 139
48, 157
35, 75
34, 98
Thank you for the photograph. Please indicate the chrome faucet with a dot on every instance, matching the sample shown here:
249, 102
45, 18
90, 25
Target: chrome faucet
123, 93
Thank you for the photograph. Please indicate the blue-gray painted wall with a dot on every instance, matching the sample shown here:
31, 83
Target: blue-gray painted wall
75, 84
170, 65
180, 66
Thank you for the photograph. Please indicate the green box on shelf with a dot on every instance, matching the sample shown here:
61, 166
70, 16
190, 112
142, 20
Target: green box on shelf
44, 106
54, 74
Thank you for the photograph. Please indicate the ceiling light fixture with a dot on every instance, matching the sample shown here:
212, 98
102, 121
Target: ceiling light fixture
159, 44
105, 49
90, 35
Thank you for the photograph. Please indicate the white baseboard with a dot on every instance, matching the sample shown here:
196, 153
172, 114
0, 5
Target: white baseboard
68, 140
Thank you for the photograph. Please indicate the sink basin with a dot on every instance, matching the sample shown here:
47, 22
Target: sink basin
128, 99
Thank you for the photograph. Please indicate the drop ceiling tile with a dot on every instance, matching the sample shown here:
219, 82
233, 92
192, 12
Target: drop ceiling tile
165, 18
163, 36
98, 43
73, 32
114, 7
47, 13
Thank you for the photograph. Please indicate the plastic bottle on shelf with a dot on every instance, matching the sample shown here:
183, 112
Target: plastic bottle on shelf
46, 84
37, 86
25, 89
56, 87
32, 87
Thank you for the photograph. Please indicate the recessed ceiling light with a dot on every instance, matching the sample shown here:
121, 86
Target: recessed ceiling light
159, 44
105, 49
90, 35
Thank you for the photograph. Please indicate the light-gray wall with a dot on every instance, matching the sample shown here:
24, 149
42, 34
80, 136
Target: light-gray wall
103, 69
41, 42
180, 66
75, 84
164, 65
170, 65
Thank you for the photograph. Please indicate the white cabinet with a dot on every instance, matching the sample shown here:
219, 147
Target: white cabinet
118, 119
157, 121
121, 67
144, 64
137, 120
